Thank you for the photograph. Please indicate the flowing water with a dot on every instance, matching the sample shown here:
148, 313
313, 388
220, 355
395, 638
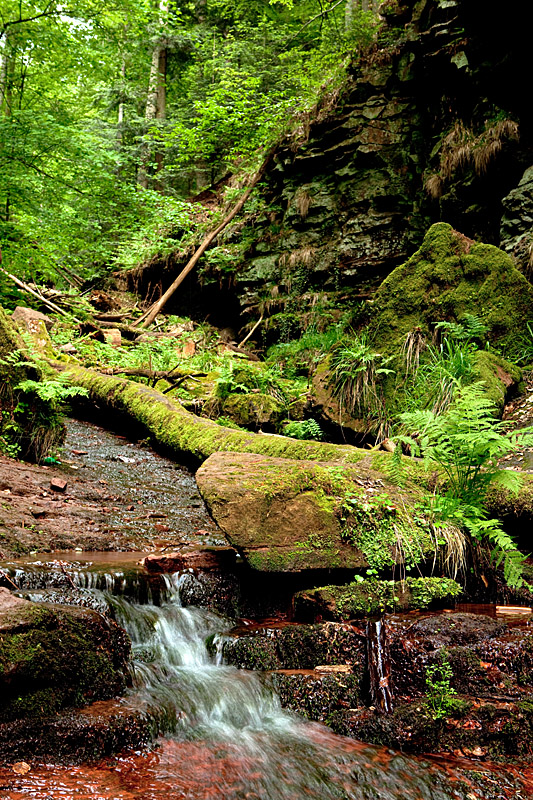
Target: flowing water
227, 736
230, 739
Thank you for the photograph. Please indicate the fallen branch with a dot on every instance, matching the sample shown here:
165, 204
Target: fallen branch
154, 310
251, 333
155, 375
39, 296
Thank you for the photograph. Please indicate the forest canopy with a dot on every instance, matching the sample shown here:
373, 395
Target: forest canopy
113, 116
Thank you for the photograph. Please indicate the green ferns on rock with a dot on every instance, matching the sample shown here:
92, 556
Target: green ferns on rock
466, 444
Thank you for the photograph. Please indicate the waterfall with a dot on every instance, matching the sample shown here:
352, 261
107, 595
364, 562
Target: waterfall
379, 666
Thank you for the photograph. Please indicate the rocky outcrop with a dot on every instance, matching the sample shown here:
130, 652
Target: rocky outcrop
350, 192
53, 657
285, 515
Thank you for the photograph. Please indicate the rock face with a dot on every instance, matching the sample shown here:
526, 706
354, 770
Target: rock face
349, 194
285, 515
53, 657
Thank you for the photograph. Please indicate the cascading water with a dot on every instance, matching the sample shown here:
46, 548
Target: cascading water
230, 739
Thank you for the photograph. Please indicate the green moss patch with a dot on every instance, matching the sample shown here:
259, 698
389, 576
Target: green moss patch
52, 657
369, 597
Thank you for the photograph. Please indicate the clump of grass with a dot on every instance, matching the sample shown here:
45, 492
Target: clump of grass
355, 371
462, 149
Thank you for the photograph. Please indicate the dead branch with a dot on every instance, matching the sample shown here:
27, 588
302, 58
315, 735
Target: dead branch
154, 310
251, 333
39, 296
156, 375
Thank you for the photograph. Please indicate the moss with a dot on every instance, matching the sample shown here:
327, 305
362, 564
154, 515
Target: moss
450, 276
497, 375
368, 597
254, 409
186, 434
52, 657
29, 426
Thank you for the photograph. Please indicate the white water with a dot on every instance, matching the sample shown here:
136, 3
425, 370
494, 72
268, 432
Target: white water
286, 758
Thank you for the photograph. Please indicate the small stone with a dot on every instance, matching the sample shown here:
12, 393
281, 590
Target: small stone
58, 485
31, 319
20, 768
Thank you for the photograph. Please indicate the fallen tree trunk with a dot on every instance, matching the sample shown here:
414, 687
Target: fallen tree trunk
189, 436
154, 310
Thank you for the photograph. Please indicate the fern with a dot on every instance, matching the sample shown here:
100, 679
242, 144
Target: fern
466, 444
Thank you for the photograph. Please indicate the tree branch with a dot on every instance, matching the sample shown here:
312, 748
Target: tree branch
310, 22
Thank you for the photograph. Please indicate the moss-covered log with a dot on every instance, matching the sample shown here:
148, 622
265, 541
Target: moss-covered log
189, 436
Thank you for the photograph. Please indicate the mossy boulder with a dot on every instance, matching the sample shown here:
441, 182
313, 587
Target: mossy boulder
253, 410
450, 276
370, 597
53, 657
284, 515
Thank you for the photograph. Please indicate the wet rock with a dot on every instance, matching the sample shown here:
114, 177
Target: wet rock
217, 591
285, 515
52, 657
486, 729
295, 647
316, 695
72, 737
85, 598
457, 629
203, 559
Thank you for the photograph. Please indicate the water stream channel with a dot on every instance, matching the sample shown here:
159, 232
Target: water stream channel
225, 733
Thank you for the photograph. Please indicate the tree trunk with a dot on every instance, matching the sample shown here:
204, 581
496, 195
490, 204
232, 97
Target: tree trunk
350, 11
156, 99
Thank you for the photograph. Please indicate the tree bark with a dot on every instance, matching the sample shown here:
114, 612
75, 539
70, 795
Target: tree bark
156, 98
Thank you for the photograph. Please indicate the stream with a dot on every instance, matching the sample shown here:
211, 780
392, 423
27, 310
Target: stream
227, 736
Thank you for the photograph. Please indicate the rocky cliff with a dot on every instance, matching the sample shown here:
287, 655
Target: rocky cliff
431, 125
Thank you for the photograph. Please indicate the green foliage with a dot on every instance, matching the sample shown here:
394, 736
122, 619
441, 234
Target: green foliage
75, 134
299, 356
440, 694
306, 429
356, 369
435, 371
52, 391
466, 444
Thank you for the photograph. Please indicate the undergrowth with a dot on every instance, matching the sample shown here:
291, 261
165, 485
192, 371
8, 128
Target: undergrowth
465, 445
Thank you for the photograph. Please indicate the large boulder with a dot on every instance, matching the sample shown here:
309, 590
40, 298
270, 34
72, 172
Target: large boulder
285, 515
54, 657
450, 276
448, 279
